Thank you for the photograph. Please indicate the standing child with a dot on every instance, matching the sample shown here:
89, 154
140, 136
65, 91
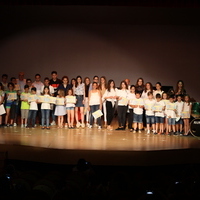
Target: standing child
60, 109
179, 108
33, 100
171, 115
45, 108
186, 112
159, 107
150, 116
137, 105
70, 105
166, 101
24, 106
2, 110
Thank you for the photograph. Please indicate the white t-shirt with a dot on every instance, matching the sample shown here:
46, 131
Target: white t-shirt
45, 105
112, 93
160, 104
148, 104
169, 112
179, 107
138, 110
51, 89
38, 86
69, 105
124, 94
186, 107
131, 97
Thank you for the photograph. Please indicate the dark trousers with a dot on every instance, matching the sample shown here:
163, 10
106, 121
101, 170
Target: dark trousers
94, 108
121, 110
31, 118
110, 109
130, 119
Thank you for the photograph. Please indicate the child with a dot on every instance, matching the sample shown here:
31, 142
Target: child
2, 111
137, 105
70, 105
159, 107
179, 108
11, 97
131, 97
33, 100
158, 89
60, 109
150, 116
45, 108
171, 115
166, 101
95, 103
24, 106
186, 112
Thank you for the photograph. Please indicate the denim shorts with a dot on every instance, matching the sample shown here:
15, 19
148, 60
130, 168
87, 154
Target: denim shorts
137, 118
171, 121
159, 120
69, 108
180, 121
150, 119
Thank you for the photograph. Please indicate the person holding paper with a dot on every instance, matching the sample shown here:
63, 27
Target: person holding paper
165, 99
70, 105
33, 100
122, 96
60, 109
86, 102
186, 112
24, 106
109, 97
11, 96
159, 107
179, 120
137, 105
2, 109
45, 108
158, 89
150, 116
95, 104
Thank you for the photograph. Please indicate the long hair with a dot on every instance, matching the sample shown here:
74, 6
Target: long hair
136, 85
61, 93
124, 83
100, 85
187, 95
66, 78
1, 86
45, 88
109, 82
77, 81
182, 89
151, 87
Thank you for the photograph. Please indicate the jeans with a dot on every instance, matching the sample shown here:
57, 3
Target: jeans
94, 108
45, 116
31, 118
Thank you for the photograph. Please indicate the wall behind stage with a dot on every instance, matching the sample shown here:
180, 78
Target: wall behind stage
156, 52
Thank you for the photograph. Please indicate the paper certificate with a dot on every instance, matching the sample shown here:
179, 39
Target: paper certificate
157, 108
24, 96
12, 96
165, 101
32, 98
44, 99
52, 100
123, 101
171, 106
148, 106
97, 114
185, 114
70, 99
2, 109
60, 101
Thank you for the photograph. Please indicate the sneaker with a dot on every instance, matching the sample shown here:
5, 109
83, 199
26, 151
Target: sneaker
78, 124
66, 125
53, 123
22, 125
148, 132
15, 124
99, 127
90, 126
83, 125
134, 131
139, 131
87, 124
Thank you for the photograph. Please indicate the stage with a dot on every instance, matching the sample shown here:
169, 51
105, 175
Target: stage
100, 147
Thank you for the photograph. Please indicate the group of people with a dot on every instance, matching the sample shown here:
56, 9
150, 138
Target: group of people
84, 103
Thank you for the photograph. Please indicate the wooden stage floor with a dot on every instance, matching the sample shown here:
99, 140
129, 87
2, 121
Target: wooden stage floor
100, 147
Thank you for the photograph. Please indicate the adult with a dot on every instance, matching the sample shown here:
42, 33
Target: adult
86, 102
180, 89
21, 81
95, 80
4, 81
38, 84
148, 88
139, 86
128, 83
65, 85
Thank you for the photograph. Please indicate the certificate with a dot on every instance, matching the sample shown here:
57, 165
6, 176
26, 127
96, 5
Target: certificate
24, 96
12, 96
137, 102
52, 100
44, 99
2, 109
70, 99
60, 101
32, 98
123, 101
148, 106
185, 114
97, 114
157, 108
171, 106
